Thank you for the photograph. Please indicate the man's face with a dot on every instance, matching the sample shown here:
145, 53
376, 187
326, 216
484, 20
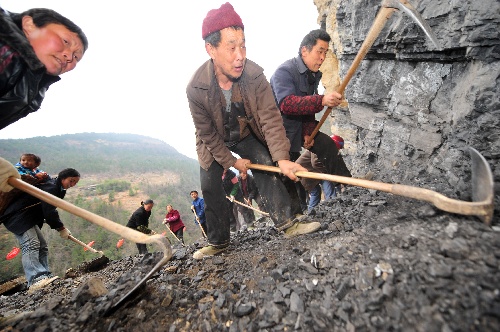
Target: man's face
194, 196
55, 46
314, 58
229, 57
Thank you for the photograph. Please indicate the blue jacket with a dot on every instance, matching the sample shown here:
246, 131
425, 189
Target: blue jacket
199, 208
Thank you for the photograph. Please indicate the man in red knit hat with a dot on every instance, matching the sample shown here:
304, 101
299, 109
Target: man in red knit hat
234, 111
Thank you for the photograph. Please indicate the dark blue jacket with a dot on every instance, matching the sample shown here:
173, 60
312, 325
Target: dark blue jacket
291, 79
25, 217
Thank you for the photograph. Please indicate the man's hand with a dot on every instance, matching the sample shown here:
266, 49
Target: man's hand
289, 168
6, 171
64, 233
240, 165
332, 99
231, 198
308, 145
247, 201
192, 208
165, 221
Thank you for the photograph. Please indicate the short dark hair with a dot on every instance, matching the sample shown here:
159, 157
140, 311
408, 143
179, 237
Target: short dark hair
214, 38
312, 38
193, 191
35, 158
43, 16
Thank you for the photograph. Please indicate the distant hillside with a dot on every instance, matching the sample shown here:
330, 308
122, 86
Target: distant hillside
118, 172
96, 153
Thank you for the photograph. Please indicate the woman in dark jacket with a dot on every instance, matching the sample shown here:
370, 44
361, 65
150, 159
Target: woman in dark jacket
173, 219
36, 46
140, 222
26, 215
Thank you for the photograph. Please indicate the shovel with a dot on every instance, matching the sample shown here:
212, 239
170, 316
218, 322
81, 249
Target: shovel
482, 188
111, 226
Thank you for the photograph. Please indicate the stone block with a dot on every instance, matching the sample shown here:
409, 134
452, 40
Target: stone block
424, 140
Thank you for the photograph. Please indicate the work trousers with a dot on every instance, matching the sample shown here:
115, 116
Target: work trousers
272, 191
35, 255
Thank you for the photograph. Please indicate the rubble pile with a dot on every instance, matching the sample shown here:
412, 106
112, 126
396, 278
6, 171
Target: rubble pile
379, 262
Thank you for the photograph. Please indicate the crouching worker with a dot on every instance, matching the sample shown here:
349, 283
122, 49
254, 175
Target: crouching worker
25, 217
234, 111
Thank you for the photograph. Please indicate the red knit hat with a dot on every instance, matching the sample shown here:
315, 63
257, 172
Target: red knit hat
218, 19
339, 141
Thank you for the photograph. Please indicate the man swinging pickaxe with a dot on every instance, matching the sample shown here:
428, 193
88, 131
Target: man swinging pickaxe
388, 7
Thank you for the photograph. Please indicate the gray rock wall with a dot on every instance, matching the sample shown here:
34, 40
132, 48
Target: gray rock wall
413, 109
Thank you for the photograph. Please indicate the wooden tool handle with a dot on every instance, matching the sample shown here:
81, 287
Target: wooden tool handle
383, 15
116, 228
72, 238
442, 202
250, 207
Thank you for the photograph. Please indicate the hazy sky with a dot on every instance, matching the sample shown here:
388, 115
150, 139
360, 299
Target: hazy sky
141, 56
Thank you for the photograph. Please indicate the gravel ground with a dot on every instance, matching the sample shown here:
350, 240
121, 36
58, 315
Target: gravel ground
379, 263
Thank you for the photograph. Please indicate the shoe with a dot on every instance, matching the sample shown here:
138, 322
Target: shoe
299, 228
41, 283
207, 251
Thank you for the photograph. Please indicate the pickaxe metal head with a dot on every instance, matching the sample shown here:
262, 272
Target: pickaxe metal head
385, 12
406, 7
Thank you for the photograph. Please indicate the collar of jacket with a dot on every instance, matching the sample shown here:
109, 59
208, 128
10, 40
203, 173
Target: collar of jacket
12, 35
207, 77
302, 68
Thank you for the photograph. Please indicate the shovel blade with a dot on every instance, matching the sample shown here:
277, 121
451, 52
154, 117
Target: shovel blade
482, 184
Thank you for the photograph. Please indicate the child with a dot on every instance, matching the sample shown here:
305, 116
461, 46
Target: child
35, 47
28, 165
27, 168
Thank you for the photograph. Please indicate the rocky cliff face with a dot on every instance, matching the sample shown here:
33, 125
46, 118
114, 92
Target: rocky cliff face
413, 109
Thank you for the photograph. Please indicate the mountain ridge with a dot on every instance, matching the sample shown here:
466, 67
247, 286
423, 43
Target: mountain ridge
82, 151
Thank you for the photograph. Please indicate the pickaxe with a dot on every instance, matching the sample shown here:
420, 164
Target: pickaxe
388, 8
482, 188
125, 232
